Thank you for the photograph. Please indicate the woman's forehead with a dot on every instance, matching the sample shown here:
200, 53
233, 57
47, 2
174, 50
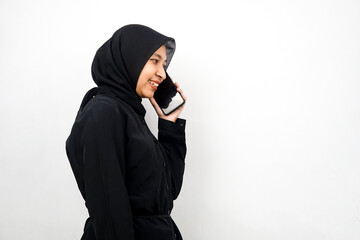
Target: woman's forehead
160, 53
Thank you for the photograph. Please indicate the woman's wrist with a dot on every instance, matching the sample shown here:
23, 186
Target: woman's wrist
169, 118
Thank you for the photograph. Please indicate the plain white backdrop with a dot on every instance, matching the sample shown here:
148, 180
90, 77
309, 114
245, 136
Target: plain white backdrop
273, 114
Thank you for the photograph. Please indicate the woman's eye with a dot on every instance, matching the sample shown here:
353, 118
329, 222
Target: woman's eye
155, 60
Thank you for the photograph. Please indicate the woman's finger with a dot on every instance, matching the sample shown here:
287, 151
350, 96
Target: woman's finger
180, 90
156, 106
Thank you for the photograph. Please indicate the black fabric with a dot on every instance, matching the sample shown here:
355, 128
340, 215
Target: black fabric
127, 177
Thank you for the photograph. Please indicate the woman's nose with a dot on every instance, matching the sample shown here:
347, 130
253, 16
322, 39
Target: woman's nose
161, 73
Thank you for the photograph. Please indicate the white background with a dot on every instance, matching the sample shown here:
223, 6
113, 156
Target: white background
273, 114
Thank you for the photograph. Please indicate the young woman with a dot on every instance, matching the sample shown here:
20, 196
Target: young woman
127, 177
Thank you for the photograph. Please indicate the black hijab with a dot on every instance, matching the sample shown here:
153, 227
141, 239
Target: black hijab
119, 61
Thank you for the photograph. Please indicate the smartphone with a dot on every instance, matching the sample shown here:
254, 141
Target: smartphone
167, 97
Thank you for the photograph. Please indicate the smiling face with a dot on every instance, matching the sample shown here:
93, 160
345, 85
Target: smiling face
152, 74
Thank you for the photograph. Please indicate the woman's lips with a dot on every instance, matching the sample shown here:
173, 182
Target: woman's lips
154, 84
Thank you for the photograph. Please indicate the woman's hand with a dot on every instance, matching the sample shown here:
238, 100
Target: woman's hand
175, 114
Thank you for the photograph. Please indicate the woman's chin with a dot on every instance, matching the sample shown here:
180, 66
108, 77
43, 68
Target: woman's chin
149, 95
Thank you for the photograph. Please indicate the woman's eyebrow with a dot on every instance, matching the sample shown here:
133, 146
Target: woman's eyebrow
159, 56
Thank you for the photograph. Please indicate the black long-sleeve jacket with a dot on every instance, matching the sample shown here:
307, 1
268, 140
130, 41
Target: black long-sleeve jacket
127, 177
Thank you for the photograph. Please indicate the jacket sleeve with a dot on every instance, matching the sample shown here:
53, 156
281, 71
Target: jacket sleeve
104, 159
172, 136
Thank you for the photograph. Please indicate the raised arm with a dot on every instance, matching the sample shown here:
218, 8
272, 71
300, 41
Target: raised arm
172, 136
